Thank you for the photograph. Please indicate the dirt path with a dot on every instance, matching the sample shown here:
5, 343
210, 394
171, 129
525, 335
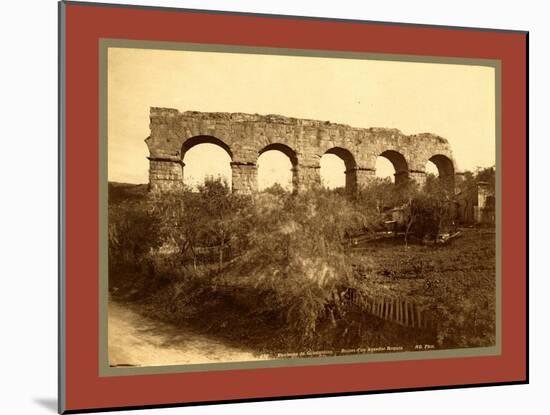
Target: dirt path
138, 341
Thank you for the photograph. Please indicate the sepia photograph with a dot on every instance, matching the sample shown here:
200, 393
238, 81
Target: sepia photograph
269, 207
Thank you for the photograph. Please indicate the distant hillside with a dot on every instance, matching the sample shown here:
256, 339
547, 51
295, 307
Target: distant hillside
126, 191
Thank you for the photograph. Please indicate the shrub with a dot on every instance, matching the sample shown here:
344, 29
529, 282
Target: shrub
133, 231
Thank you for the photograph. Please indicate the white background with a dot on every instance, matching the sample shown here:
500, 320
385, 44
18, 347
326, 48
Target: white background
28, 192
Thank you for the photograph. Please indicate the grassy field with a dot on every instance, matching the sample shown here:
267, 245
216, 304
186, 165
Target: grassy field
274, 274
455, 283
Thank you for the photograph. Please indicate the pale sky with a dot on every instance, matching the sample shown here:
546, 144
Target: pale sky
454, 101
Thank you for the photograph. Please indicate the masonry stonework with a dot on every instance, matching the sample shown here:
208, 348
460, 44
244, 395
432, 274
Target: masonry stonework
246, 136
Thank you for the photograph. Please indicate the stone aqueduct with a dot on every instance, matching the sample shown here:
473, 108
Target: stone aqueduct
246, 136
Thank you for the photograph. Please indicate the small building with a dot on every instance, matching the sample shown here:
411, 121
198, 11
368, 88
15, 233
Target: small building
484, 212
476, 205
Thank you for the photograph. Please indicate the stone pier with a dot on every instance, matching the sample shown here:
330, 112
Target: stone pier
244, 177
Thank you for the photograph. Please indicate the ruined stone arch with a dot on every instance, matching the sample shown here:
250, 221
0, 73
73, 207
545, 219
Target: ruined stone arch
194, 141
444, 164
350, 164
400, 165
204, 139
283, 148
446, 169
290, 153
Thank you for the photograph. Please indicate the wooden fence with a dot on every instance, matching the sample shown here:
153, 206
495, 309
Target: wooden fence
398, 310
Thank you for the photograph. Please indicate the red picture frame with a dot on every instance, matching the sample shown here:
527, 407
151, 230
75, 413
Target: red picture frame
82, 25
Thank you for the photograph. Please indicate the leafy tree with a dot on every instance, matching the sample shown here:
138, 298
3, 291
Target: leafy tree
486, 175
219, 205
427, 211
132, 232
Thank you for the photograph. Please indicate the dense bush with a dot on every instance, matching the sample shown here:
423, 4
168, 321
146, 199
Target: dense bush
296, 259
133, 231
429, 213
